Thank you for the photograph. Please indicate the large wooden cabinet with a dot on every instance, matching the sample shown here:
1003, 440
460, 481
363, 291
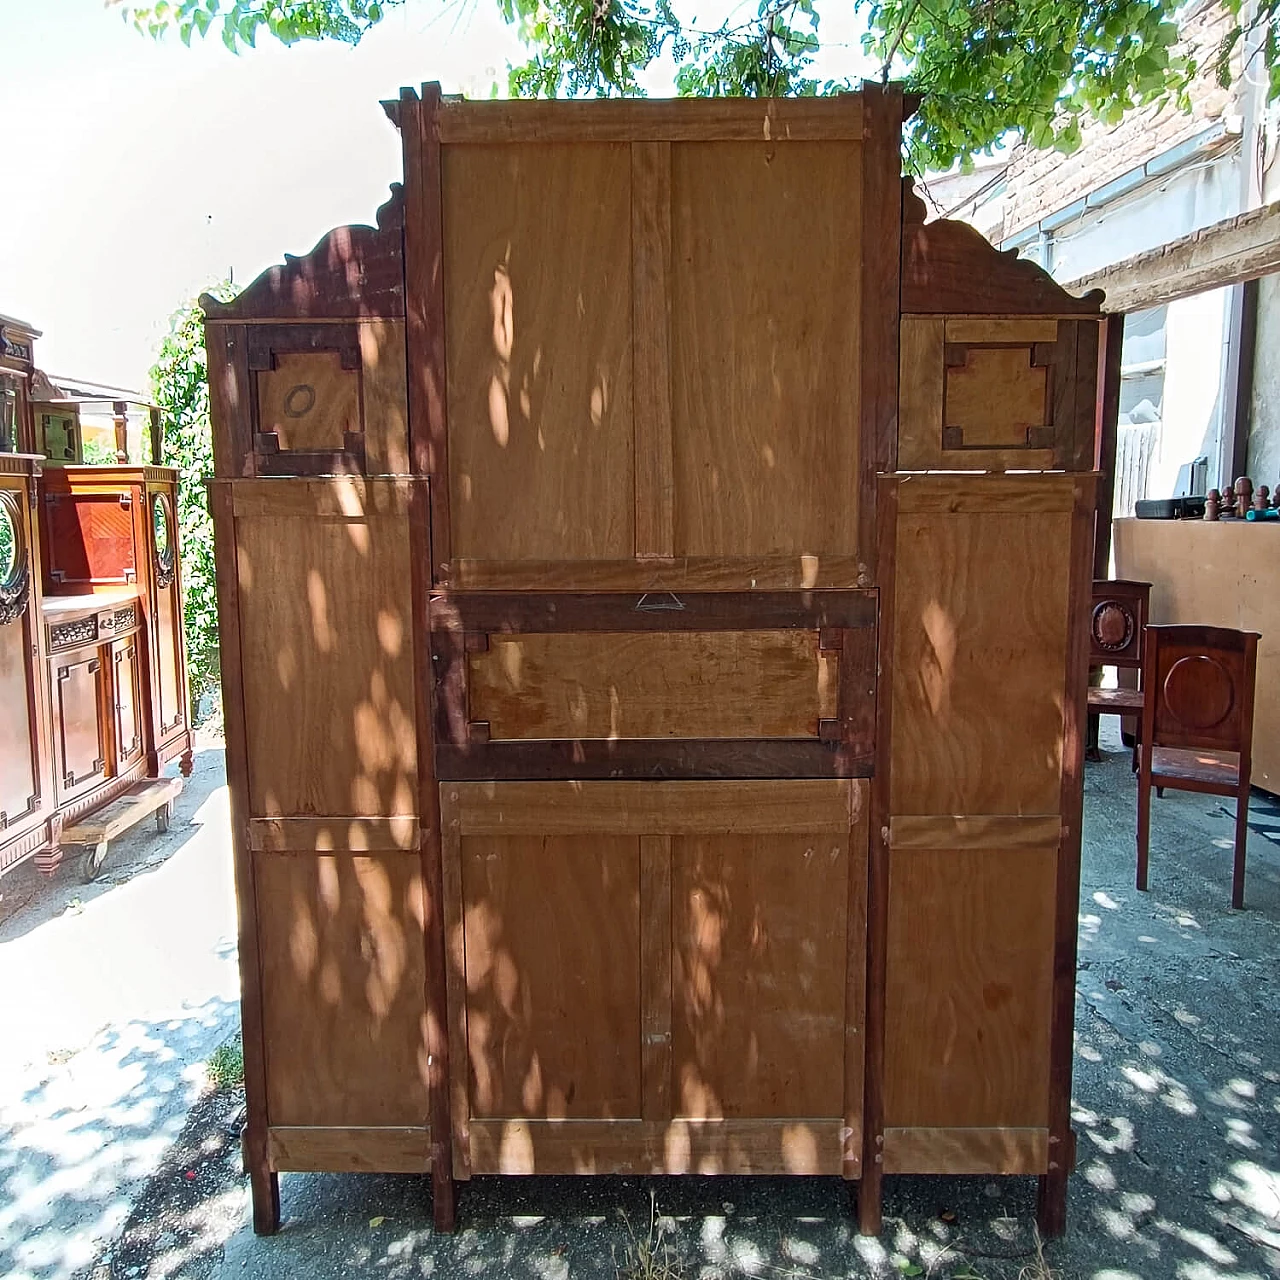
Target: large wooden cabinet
654, 661
92, 667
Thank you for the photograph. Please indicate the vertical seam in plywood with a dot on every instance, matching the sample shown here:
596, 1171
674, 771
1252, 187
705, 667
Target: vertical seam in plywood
455, 979
1072, 803
254, 1032
651, 349
655, 977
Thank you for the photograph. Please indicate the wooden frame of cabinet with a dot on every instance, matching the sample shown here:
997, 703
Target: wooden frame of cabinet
712, 617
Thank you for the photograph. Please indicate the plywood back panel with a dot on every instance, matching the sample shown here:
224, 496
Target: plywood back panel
765, 306
760, 939
969, 983
980, 636
309, 401
695, 958
552, 962
697, 684
538, 311
324, 590
343, 991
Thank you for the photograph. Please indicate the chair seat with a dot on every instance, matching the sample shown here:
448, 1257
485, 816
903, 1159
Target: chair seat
1178, 767
1115, 701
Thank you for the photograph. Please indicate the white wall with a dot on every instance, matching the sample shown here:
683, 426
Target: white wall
1196, 337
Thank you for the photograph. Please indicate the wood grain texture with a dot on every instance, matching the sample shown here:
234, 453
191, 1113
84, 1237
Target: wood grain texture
765, 353
686, 573
325, 835
1051, 1200
341, 497
693, 684
980, 645
968, 994
929, 388
265, 1188
855, 979
799, 1146
384, 386
539, 315
651, 347
452, 914
309, 401
638, 120
996, 397
230, 400
879, 300
652, 808
975, 494
343, 989
966, 1151
655, 977
998, 831
1020, 331
328, 675
760, 941
553, 995
337, 1149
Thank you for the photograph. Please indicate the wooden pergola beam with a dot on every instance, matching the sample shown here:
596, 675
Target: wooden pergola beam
1228, 252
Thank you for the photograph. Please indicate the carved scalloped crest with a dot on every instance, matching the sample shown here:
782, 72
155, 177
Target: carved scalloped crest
352, 272
948, 268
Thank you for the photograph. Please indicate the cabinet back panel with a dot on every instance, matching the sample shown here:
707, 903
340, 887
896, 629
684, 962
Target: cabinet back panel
718, 684
552, 964
325, 651
765, 335
538, 311
980, 660
343, 989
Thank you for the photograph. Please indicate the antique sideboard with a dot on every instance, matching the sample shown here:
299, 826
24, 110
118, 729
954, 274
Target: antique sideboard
93, 687
653, 568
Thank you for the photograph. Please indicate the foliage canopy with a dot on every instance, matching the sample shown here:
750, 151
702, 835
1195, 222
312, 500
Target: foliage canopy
180, 386
1040, 67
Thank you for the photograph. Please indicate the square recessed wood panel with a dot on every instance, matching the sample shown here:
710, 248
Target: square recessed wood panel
537, 267
309, 401
995, 394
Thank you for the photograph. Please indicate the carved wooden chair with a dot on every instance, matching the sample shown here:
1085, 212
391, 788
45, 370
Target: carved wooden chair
1197, 725
1117, 620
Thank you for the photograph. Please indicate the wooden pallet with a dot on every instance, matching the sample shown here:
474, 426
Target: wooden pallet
95, 832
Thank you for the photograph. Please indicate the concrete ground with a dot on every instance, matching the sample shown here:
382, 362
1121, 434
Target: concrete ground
112, 995
1177, 1107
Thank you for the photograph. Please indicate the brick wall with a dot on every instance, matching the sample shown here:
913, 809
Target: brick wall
1042, 182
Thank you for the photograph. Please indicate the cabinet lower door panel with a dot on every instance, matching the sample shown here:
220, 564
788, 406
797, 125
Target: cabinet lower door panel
655, 976
79, 723
343, 993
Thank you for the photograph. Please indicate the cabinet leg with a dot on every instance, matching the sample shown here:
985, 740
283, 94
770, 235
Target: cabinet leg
1051, 1203
185, 763
443, 1206
264, 1186
869, 1193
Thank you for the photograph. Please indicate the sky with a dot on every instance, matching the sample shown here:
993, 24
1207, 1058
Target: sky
134, 173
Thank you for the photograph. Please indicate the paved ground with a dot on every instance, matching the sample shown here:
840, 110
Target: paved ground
112, 995
1177, 1104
